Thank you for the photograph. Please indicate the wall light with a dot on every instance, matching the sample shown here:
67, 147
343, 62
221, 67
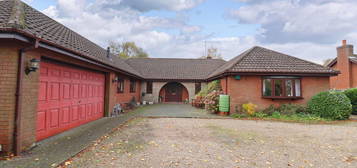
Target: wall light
33, 66
116, 79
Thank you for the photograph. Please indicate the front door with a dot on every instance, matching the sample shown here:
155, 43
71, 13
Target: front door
173, 92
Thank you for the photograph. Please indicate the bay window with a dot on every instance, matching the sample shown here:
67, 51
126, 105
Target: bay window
281, 87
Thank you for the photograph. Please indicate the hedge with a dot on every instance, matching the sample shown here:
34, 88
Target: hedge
352, 95
330, 105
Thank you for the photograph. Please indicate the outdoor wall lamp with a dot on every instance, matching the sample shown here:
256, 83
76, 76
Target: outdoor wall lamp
116, 79
33, 66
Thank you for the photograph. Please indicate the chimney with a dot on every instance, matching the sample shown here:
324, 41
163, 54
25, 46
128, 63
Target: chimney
344, 52
108, 53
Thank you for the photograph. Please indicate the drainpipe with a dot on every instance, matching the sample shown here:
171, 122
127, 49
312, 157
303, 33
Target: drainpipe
19, 87
226, 85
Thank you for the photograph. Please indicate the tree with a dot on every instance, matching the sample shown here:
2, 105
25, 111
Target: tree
127, 50
212, 53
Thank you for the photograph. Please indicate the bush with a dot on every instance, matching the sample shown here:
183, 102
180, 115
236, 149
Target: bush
212, 101
270, 110
210, 87
290, 109
331, 105
352, 95
249, 108
276, 114
285, 109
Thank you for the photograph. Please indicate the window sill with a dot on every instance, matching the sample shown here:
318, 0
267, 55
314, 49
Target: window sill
282, 98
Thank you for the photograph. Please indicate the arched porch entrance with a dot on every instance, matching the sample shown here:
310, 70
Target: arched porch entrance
173, 92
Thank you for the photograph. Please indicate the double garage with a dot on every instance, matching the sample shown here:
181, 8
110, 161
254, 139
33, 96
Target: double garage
68, 97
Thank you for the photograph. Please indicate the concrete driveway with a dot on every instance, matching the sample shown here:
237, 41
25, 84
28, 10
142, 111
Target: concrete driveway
55, 150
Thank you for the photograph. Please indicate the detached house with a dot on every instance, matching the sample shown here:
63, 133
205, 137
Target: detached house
346, 63
52, 79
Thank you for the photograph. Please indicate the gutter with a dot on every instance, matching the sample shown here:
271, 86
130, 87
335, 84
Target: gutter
306, 74
19, 90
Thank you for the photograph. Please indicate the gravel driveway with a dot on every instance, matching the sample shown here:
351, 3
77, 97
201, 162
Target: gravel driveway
181, 142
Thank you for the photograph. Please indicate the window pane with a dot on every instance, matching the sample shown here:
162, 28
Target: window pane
278, 86
132, 86
297, 87
197, 87
120, 88
267, 87
149, 87
289, 88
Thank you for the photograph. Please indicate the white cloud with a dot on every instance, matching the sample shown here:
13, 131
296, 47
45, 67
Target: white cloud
320, 21
285, 27
147, 5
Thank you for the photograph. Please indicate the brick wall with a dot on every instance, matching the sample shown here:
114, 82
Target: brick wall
249, 88
126, 96
8, 75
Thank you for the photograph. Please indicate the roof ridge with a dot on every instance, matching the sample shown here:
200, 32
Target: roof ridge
178, 59
295, 57
17, 16
240, 57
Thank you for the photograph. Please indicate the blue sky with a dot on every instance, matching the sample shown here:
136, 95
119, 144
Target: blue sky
179, 28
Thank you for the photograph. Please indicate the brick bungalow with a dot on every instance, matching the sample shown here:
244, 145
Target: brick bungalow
265, 77
53, 79
346, 63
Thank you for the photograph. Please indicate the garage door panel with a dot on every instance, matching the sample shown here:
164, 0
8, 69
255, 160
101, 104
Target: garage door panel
53, 117
68, 97
54, 91
66, 90
41, 120
43, 91
75, 113
82, 111
65, 115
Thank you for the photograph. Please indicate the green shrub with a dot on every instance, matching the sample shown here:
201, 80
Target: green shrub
270, 110
276, 114
285, 109
352, 95
210, 87
290, 109
331, 105
260, 115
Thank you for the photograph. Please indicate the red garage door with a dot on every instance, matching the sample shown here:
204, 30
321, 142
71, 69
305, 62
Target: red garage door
68, 97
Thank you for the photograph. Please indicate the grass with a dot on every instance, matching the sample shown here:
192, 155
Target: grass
305, 118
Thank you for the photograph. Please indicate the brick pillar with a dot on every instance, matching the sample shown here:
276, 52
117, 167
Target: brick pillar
344, 65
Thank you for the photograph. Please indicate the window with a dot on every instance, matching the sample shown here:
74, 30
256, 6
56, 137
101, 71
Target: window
197, 87
281, 87
120, 88
149, 87
132, 86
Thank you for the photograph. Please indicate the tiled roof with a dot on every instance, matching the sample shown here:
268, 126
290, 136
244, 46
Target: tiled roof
168, 68
262, 60
18, 15
353, 59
